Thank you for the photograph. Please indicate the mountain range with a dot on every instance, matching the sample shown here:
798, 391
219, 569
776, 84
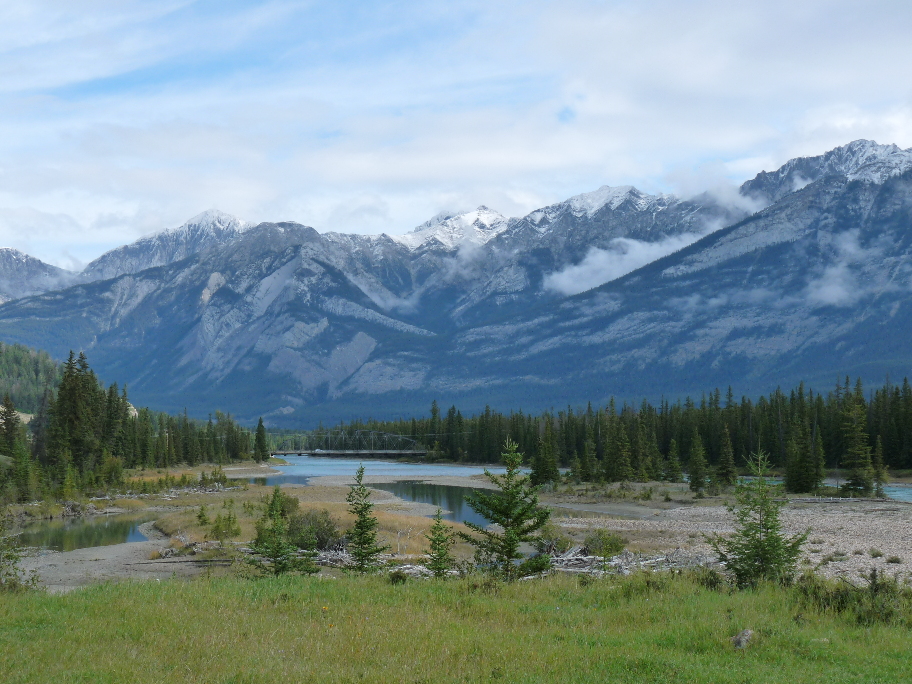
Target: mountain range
805, 275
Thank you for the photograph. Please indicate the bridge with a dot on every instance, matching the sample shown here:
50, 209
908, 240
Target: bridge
345, 443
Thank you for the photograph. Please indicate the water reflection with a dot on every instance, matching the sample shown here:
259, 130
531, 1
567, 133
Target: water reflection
70, 534
451, 499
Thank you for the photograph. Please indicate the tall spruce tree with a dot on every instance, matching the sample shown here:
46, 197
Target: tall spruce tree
673, 470
857, 456
363, 544
725, 472
544, 467
696, 464
877, 466
260, 446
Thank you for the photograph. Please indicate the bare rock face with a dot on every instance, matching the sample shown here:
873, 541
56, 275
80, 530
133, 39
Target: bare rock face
575, 301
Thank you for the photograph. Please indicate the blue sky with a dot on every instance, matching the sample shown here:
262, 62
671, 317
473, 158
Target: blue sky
118, 119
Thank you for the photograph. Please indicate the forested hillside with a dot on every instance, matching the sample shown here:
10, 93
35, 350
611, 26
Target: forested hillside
25, 375
83, 437
803, 431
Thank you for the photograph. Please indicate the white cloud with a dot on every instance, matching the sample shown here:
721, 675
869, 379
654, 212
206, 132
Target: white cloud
838, 284
624, 255
374, 116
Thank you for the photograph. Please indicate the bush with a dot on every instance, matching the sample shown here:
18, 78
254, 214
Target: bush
398, 577
883, 601
11, 578
603, 543
314, 525
552, 539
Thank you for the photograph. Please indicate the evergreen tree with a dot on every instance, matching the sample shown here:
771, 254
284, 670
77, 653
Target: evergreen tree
880, 473
260, 447
725, 472
9, 427
857, 458
362, 537
673, 470
544, 467
622, 471
696, 464
758, 550
274, 552
514, 507
440, 539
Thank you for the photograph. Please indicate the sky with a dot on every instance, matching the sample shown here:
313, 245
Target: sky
121, 118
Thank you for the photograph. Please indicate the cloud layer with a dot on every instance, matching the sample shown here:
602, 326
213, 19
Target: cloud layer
120, 118
624, 255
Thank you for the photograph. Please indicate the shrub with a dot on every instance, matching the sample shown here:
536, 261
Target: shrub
11, 578
894, 559
313, 527
398, 577
883, 601
875, 553
601, 542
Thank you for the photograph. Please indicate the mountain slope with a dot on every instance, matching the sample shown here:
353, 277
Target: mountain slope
22, 275
279, 320
209, 229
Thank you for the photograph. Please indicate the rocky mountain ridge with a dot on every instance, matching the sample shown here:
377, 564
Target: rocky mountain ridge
673, 296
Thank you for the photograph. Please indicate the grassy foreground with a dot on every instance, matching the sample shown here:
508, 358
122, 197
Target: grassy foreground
640, 629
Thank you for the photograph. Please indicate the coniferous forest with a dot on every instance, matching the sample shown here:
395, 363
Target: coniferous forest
804, 432
83, 435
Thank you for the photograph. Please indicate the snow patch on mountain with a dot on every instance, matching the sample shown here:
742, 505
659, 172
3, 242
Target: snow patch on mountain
203, 231
590, 203
473, 227
860, 160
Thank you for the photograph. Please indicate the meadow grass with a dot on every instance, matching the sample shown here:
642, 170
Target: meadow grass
646, 628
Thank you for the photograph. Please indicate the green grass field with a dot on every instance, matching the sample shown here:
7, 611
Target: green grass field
641, 629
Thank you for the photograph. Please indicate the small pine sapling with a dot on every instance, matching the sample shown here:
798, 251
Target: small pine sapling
758, 550
515, 509
441, 539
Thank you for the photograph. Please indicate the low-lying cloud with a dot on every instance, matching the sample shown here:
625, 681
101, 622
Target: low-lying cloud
838, 284
623, 256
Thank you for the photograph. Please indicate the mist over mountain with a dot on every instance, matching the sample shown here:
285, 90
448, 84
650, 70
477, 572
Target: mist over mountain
610, 292
22, 275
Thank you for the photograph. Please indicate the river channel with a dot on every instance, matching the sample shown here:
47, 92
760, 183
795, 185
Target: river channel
451, 499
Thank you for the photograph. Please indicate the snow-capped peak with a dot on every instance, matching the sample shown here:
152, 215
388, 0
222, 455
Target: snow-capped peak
475, 227
862, 160
10, 255
212, 219
590, 203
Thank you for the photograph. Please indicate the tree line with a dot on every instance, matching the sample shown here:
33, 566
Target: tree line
804, 432
83, 435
